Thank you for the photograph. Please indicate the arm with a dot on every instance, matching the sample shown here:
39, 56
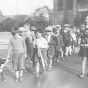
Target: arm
61, 40
10, 47
24, 45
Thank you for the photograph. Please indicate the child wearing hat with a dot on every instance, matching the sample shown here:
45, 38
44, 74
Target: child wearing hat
59, 42
51, 49
17, 49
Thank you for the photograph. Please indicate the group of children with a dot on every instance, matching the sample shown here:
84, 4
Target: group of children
42, 46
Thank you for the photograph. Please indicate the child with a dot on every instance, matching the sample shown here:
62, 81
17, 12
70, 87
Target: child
68, 43
18, 48
40, 52
66, 40
51, 49
3, 62
59, 43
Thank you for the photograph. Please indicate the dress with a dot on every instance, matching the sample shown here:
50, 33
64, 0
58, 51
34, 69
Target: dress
84, 43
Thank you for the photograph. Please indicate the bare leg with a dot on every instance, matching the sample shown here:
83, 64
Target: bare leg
37, 70
70, 50
2, 76
83, 66
67, 49
50, 62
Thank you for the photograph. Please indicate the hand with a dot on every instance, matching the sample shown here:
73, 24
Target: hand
25, 55
60, 49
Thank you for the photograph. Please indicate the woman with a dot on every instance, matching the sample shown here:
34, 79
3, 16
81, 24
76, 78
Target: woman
84, 48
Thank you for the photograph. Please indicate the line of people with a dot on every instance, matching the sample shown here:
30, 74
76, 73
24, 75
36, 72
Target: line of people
41, 46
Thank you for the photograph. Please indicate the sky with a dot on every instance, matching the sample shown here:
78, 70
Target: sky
10, 7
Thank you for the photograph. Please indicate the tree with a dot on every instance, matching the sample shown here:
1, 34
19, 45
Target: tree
42, 14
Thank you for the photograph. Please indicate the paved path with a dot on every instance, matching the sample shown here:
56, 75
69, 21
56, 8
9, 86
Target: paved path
62, 75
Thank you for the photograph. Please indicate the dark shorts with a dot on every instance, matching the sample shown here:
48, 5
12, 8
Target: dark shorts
18, 60
83, 52
37, 58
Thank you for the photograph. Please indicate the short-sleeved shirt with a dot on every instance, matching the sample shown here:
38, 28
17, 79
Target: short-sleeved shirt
42, 43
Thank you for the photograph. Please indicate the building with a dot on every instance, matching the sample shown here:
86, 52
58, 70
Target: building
65, 11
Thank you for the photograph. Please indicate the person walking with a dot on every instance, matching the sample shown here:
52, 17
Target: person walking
40, 52
17, 48
84, 48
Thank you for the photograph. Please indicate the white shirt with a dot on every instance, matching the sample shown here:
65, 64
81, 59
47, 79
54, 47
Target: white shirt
41, 43
73, 36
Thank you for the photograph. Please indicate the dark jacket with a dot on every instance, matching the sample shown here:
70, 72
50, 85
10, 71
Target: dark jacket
59, 42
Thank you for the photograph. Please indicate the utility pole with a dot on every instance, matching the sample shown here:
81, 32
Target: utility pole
74, 9
54, 12
17, 9
65, 11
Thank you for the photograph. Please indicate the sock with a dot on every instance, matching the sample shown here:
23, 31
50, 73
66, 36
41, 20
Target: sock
17, 74
37, 68
21, 73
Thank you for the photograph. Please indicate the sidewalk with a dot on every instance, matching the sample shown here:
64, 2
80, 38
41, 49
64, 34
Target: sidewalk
62, 75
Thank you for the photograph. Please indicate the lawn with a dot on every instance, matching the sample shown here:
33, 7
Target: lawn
4, 41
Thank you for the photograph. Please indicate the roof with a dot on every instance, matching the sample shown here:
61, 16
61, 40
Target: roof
2, 18
1, 13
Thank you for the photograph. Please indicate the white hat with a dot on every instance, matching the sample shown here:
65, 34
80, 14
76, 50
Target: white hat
22, 29
49, 28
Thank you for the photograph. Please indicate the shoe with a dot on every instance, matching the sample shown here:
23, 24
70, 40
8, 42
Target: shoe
21, 78
37, 75
82, 75
17, 80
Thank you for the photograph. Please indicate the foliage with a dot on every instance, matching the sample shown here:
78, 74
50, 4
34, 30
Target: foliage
42, 14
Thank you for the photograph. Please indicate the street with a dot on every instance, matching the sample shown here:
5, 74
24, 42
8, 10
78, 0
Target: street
64, 74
